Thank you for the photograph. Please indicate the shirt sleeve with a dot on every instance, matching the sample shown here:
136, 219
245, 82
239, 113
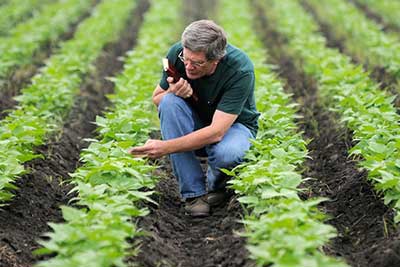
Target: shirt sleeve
237, 93
172, 56
163, 81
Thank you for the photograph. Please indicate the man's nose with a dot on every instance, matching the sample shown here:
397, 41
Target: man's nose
189, 65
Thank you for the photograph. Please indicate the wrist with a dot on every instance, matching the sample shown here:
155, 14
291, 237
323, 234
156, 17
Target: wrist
157, 98
168, 146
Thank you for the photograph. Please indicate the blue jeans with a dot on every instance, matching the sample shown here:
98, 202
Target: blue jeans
179, 119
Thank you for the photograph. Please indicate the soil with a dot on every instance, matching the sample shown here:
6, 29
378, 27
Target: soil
40, 193
195, 10
21, 76
366, 233
176, 239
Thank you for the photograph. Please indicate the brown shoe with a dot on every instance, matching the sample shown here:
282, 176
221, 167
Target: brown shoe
215, 198
197, 207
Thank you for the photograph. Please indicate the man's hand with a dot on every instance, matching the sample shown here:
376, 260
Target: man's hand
152, 149
181, 88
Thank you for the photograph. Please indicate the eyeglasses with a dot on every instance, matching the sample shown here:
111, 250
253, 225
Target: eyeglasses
194, 63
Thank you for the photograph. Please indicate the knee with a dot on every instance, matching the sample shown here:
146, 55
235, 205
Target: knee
175, 112
228, 156
170, 102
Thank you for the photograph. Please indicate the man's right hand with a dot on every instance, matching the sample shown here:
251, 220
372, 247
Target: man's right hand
181, 88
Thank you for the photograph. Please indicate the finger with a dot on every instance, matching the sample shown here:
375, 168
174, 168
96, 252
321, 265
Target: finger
188, 92
186, 95
173, 88
153, 156
180, 84
149, 141
183, 90
138, 150
189, 89
176, 87
140, 155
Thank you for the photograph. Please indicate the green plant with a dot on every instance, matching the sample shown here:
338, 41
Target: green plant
387, 10
18, 10
281, 229
25, 39
111, 182
43, 105
349, 91
363, 38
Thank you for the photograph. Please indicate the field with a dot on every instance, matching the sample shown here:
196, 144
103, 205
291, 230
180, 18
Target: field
319, 187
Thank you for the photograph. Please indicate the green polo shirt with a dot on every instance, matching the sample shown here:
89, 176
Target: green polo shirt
229, 89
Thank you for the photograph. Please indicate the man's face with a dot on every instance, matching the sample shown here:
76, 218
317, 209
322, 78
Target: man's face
196, 64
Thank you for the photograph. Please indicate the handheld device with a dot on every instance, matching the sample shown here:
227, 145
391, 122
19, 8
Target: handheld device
173, 72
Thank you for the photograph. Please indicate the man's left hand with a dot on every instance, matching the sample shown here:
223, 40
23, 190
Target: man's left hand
152, 149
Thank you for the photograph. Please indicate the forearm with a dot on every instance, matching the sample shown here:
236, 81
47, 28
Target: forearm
157, 97
195, 140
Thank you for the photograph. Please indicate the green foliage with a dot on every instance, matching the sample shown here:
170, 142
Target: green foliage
363, 38
43, 105
25, 39
348, 90
111, 182
289, 235
281, 230
17, 11
387, 9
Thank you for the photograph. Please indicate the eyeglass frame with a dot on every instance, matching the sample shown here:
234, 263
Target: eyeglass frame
194, 63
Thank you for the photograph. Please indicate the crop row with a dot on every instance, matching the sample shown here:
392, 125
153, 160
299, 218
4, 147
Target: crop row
387, 9
362, 37
26, 38
43, 105
112, 182
16, 11
349, 91
282, 229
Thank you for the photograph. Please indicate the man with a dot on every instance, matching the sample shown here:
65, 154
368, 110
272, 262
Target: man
211, 108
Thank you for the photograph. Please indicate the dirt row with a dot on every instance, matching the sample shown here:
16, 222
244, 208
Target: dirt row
366, 234
40, 193
21, 77
176, 239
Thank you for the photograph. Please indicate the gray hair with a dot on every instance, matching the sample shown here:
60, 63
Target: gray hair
205, 36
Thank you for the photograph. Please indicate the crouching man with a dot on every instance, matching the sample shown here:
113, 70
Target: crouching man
210, 110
